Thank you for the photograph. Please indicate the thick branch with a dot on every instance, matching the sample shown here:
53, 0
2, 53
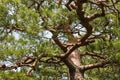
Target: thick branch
89, 31
55, 38
105, 61
77, 46
85, 23
80, 13
95, 65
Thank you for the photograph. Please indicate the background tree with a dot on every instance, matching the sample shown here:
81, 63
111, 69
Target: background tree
46, 40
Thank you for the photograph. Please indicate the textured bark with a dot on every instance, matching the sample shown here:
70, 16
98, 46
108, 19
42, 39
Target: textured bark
72, 62
76, 74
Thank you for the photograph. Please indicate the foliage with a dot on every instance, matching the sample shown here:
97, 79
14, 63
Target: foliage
23, 33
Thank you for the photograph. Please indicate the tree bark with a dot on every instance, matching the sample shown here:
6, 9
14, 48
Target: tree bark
76, 74
72, 62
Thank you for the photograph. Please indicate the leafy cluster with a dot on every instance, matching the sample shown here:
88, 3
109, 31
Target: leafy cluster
27, 28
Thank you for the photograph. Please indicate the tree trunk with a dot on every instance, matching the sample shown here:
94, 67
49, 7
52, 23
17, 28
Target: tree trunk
76, 74
72, 62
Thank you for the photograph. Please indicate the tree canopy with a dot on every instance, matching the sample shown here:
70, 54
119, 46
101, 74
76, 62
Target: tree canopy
59, 39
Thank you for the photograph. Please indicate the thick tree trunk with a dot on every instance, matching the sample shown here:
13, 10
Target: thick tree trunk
72, 62
76, 74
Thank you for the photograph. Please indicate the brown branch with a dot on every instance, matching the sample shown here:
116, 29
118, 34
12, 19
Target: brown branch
105, 61
109, 7
15, 27
101, 56
36, 4
32, 67
84, 21
101, 4
82, 41
51, 60
95, 65
29, 61
75, 46
118, 12
29, 71
88, 33
56, 40
4, 67
96, 15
